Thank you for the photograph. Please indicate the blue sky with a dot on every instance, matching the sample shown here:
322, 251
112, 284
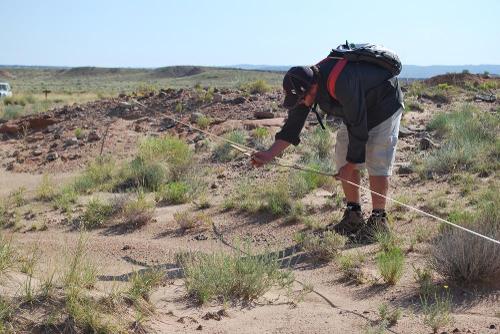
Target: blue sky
153, 33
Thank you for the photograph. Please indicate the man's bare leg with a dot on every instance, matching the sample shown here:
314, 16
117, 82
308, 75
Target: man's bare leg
379, 184
352, 192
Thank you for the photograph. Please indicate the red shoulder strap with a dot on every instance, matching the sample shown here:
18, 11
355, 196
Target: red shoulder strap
334, 75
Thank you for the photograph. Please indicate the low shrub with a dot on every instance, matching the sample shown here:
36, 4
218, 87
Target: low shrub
97, 176
188, 220
46, 190
224, 152
137, 212
391, 265
324, 247
173, 193
437, 310
462, 256
221, 276
351, 267
96, 213
257, 87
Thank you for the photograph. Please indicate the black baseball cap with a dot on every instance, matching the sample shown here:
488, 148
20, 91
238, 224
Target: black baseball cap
296, 83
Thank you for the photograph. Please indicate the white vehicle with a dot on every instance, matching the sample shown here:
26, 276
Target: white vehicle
5, 90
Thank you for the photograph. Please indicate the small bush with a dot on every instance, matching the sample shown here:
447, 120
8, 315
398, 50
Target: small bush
232, 276
17, 196
137, 212
462, 256
437, 311
224, 152
174, 193
423, 276
387, 241
65, 198
391, 316
79, 133
97, 176
175, 152
351, 267
141, 173
391, 264
142, 285
325, 247
203, 122
46, 190
257, 87
189, 220
96, 213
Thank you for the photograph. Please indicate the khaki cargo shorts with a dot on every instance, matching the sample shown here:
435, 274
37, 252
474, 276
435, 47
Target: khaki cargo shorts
380, 148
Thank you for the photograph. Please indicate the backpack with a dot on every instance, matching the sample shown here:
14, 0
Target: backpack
370, 53
367, 52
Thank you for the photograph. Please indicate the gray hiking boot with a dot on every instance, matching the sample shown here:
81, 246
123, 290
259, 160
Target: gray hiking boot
377, 223
350, 224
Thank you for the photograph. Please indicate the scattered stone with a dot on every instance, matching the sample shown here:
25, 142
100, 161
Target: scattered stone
10, 166
53, 145
37, 153
29, 215
93, 136
215, 315
218, 97
263, 114
426, 143
74, 156
15, 154
456, 330
199, 328
485, 98
493, 326
52, 156
126, 247
214, 186
238, 100
252, 124
70, 142
200, 237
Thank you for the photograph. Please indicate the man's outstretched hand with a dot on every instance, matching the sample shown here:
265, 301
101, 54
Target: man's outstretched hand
261, 158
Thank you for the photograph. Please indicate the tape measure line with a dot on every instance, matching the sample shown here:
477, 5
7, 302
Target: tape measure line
278, 162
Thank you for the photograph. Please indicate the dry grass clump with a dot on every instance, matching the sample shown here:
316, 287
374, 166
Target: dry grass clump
323, 247
462, 256
351, 266
224, 151
188, 220
390, 264
221, 276
46, 191
138, 212
97, 213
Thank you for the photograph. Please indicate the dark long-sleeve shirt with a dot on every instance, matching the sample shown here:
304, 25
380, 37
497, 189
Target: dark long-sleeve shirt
366, 95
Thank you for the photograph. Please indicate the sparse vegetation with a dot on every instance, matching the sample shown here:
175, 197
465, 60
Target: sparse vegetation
462, 256
391, 264
351, 267
470, 143
325, 247
224, 151
46, 190
437, 310
257, 87
96, 213
226, 277
188, 220
388, 315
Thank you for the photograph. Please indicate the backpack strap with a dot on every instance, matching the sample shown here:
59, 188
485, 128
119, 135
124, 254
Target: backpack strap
318, 117
334, 75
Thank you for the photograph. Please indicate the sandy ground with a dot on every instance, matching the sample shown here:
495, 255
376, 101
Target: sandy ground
334, 306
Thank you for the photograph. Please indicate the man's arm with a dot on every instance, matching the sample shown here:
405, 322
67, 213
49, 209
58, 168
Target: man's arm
289, 134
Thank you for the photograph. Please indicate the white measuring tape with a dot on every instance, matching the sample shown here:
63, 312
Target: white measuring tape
245, 150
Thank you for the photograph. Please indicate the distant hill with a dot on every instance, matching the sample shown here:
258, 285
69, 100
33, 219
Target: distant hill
409, 71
